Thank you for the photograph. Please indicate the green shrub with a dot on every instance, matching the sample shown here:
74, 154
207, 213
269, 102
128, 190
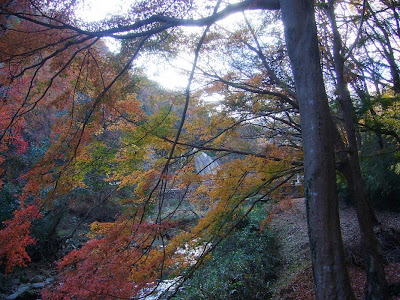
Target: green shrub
382, 181
380, 170
243, 266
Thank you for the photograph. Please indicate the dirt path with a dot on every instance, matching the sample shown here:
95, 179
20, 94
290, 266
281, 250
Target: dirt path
295, 279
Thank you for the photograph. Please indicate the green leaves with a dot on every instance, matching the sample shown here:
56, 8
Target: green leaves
242, 267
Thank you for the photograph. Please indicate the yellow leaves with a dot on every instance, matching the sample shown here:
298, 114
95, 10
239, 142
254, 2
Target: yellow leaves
142, 180
241, 175
197, 124
130, 179
384, 114
203, 189
245, 178
233, 188
127, 152
186, 176
99, 229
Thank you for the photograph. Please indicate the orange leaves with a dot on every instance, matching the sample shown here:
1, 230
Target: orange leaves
235, 186
107, 138
99, 229
96, 270
14, 238
118, 265
241, 176
186, 176
142, 180
129, 109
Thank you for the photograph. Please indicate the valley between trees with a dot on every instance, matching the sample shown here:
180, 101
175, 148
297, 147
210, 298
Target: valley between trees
273, 175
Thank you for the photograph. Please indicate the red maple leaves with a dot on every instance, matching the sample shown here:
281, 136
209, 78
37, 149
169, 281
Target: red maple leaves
14, 238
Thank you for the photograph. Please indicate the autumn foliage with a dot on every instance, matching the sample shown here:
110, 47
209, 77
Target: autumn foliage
88, 142
115, 263
15, 238
98, 127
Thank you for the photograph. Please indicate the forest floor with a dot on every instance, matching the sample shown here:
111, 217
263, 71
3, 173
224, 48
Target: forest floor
295, 279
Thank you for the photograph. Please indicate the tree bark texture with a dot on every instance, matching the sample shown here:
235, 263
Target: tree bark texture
376, 285
330, 274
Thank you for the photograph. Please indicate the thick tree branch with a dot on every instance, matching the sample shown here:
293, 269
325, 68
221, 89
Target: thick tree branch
162, 22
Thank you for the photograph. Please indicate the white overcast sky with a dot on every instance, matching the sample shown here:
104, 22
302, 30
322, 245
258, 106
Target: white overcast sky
96, 10
165, 74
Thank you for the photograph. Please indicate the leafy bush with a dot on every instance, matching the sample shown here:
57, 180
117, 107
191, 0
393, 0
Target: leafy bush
243, 266
380, 169
382, 180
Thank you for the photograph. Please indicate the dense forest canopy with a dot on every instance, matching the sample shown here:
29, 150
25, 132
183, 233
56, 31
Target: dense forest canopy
134, 183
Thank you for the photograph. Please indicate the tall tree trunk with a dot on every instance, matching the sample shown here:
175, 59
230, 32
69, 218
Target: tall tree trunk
388, 50
376, 284
330, 274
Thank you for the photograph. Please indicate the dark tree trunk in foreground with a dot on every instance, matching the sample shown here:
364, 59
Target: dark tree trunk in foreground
376, 285
330, 274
